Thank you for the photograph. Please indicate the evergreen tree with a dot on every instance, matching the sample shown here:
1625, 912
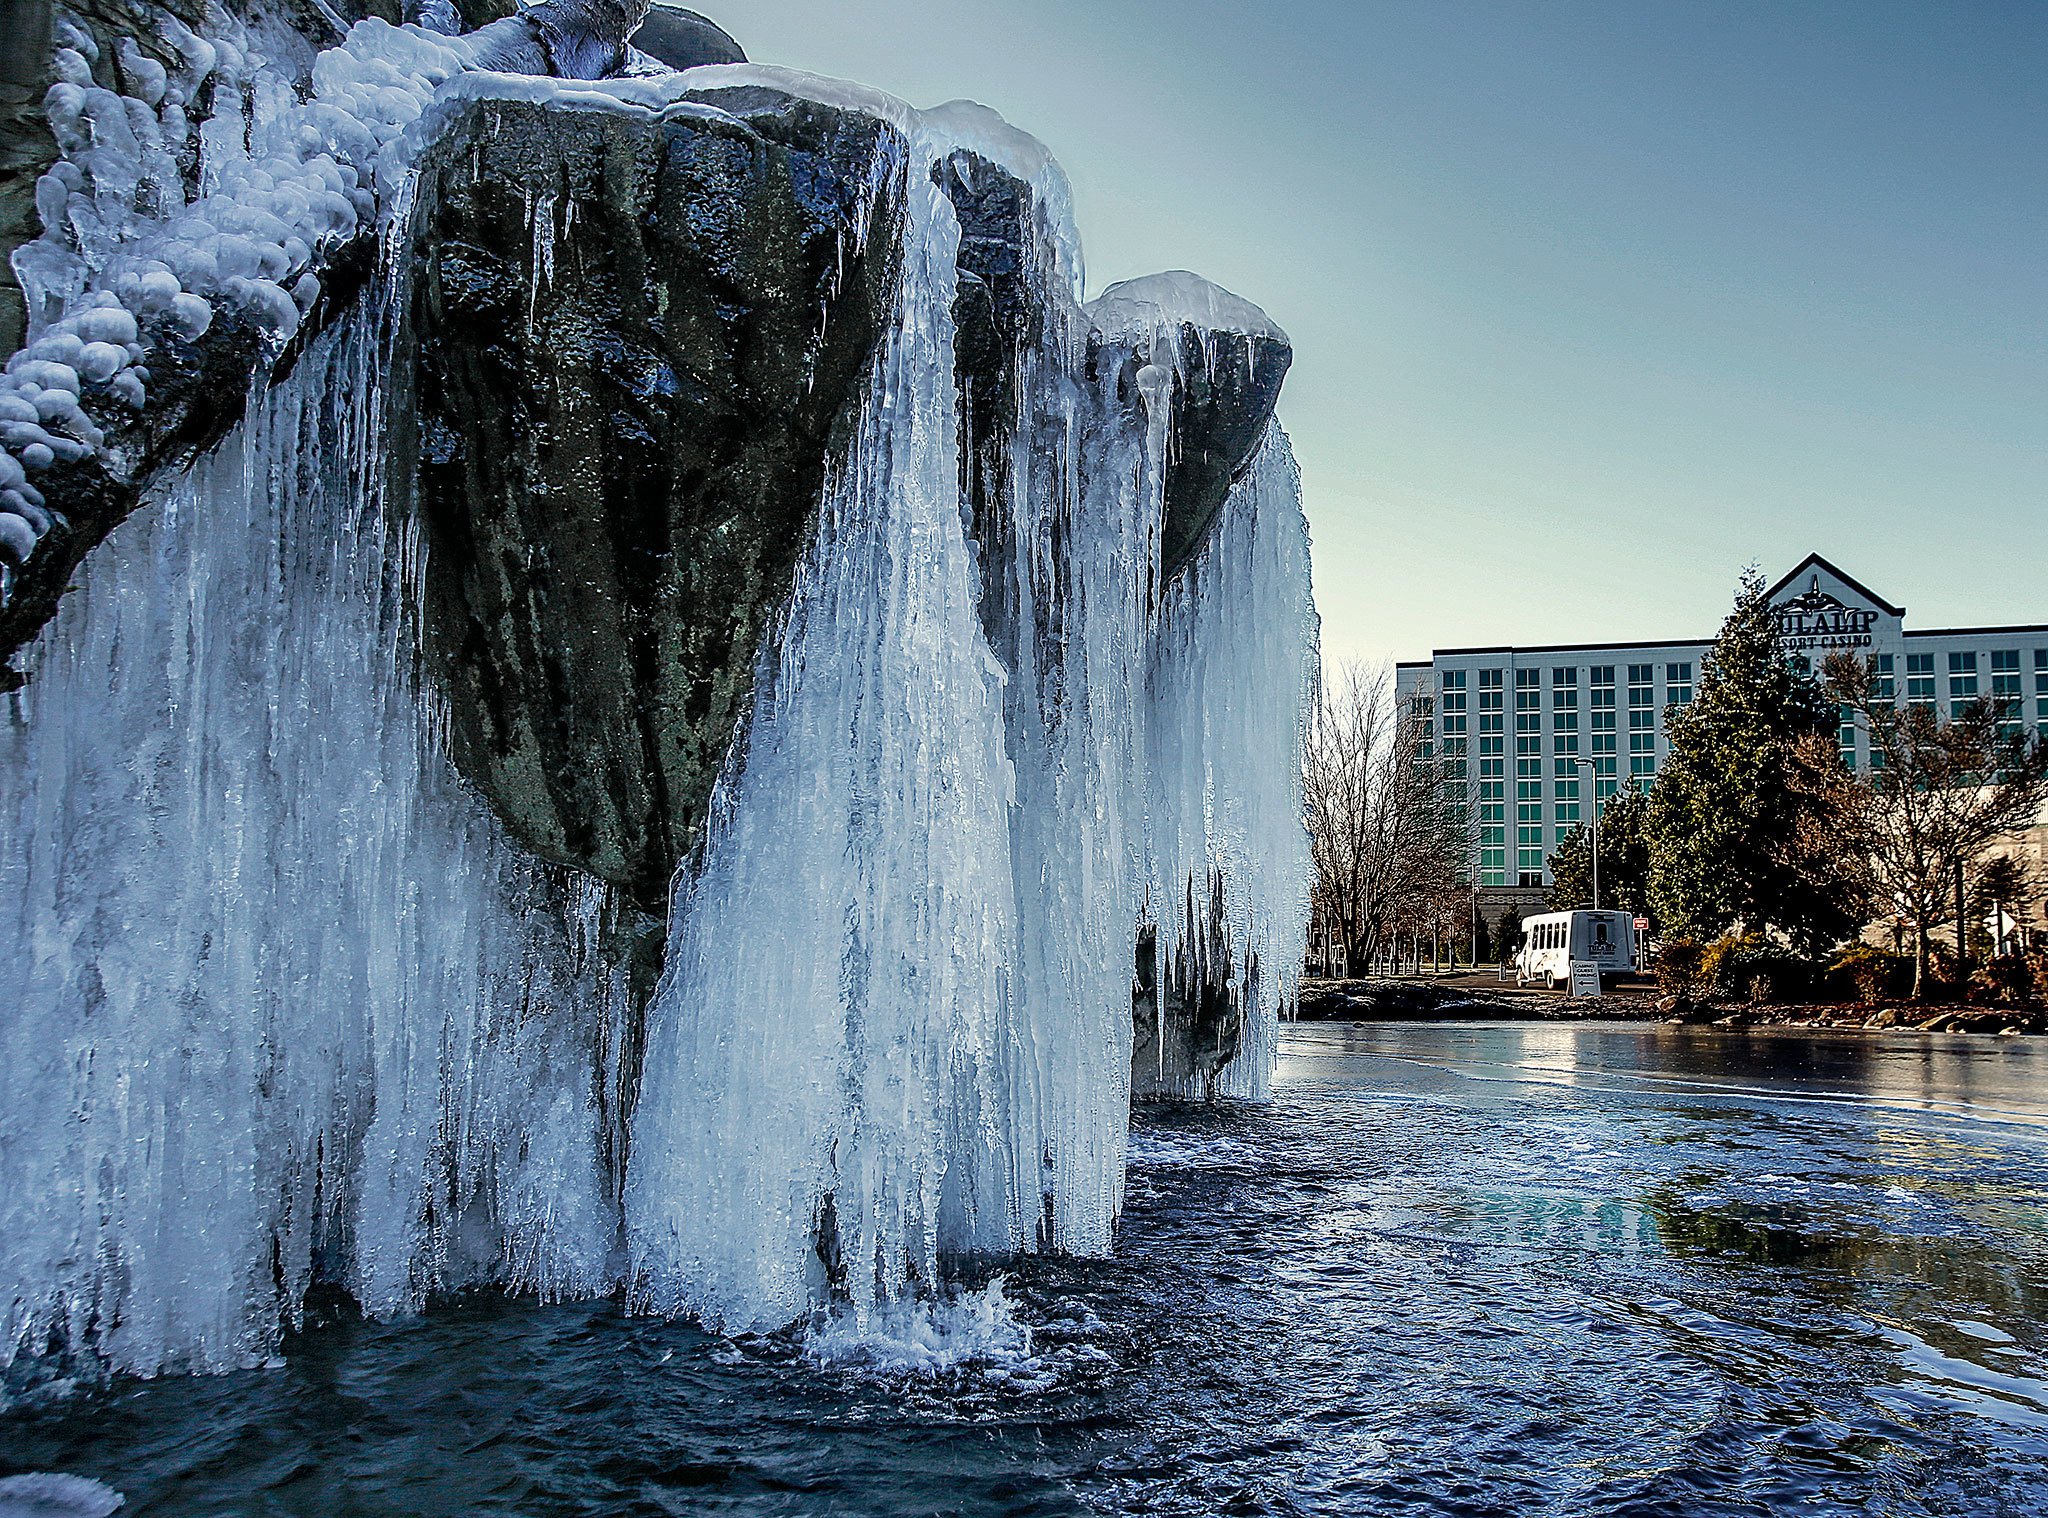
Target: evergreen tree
1737, 831
1624, 858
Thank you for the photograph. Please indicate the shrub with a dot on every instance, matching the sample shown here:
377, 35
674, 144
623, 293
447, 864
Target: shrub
1752, 968
1870, 974
1678, 966
1945, 978
2006, 981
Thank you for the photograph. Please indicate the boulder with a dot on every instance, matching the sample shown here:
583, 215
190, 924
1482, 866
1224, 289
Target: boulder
635, 337
1228, 361
684, 40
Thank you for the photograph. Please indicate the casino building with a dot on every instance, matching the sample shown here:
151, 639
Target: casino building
1514, 723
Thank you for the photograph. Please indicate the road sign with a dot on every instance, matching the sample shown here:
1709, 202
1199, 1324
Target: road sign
1642, 926
1585, 978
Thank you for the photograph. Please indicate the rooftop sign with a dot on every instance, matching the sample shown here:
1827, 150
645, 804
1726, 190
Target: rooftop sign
1816, 620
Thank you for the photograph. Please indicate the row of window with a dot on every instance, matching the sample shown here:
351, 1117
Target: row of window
1964, 670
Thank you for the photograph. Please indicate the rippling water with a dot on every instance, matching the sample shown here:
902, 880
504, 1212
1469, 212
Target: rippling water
1459, 1269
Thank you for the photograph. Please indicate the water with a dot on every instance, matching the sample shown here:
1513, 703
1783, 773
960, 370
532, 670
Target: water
1461, 1269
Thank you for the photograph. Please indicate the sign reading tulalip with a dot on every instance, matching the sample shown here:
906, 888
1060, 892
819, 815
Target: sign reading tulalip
1814, 619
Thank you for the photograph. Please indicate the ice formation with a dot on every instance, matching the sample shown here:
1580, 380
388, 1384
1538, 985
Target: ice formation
288, 1004
129, 245
44, 1494
943, 836
282, 1000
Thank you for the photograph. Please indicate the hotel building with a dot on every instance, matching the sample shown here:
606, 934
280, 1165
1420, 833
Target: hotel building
1514, 724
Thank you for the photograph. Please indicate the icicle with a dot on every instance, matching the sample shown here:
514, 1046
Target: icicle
280, 987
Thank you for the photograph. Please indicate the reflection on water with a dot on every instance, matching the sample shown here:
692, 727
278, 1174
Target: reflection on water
1459, 1269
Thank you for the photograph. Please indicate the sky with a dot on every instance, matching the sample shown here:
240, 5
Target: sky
1592, 304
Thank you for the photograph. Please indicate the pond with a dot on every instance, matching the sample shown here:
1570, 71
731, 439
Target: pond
1479, 1269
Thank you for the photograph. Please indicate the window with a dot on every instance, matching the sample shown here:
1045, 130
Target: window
1920, 679
1565, 679
1641, 674
1603, 674
1490, 679
1642, 754
1641, 718
1568, 700
1527, 677
2005, 680
1678, 683
1454, 679
1962, 677
1887, 679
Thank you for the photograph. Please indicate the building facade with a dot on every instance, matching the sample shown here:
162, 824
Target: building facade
1532, 737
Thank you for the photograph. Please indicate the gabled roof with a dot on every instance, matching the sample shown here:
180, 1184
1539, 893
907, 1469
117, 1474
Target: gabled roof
1814, 561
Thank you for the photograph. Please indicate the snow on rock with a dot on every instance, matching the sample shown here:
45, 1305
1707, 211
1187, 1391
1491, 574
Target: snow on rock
285, 180
1141, 307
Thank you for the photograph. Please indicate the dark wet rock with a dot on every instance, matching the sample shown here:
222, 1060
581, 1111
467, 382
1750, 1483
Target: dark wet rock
685, 40
621, 458
1188, 1012
1226, 386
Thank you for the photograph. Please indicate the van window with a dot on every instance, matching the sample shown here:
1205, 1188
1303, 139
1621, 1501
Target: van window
1600, 931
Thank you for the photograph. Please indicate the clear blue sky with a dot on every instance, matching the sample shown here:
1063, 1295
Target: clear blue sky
1592, 303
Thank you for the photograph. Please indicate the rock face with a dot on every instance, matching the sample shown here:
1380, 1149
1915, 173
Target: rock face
635, 339
1226, 386
635, 342
1187, 1017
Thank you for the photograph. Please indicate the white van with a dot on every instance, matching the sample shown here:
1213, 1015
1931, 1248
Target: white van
1551, 942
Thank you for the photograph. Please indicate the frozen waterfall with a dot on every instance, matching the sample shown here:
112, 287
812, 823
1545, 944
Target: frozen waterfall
287, 1006
282, 1002
896, 1022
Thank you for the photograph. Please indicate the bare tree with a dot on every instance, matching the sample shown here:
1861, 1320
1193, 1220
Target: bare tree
1390, 849
1938, 798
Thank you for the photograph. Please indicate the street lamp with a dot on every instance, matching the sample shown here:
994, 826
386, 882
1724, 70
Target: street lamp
1593, 800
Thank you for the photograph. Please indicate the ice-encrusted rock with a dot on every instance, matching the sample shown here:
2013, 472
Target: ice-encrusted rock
636, 332
1227, 360
712, 379
45, 1494
251, 219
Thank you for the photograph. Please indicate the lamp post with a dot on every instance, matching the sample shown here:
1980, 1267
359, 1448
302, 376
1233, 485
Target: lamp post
1593, 800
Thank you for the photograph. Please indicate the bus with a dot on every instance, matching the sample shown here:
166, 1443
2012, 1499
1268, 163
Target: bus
1551, 942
